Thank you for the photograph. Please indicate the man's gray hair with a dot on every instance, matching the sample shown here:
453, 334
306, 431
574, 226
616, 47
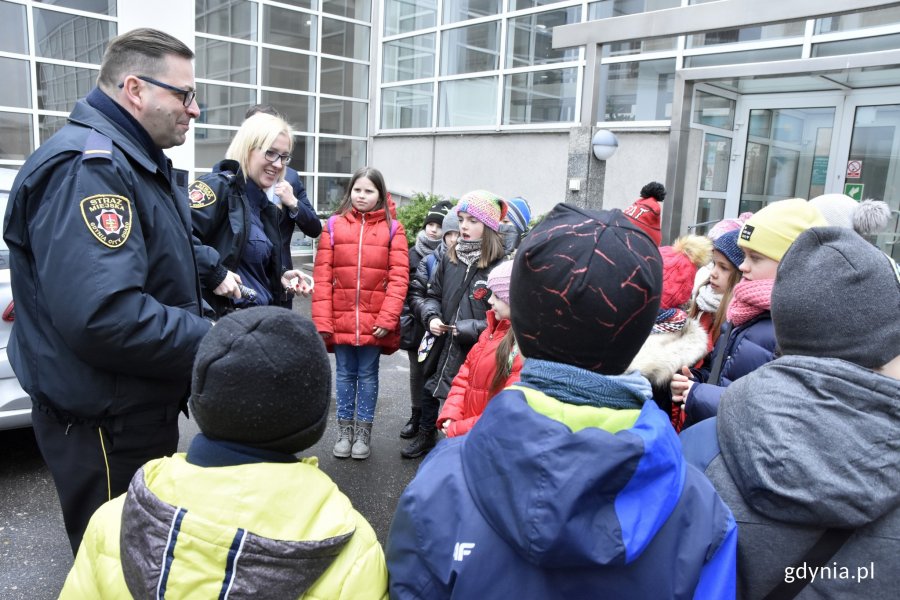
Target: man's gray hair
138, 52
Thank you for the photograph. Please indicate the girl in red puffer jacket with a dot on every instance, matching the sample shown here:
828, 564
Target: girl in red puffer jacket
361, 275
491, 365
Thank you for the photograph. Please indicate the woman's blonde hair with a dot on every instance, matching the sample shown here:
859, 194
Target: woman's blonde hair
258, 132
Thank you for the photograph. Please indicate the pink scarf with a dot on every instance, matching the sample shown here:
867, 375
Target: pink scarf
750, 299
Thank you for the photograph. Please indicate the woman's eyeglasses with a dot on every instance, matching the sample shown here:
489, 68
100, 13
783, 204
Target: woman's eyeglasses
273, 157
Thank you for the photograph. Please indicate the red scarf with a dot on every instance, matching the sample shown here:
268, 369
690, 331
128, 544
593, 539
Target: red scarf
750, 299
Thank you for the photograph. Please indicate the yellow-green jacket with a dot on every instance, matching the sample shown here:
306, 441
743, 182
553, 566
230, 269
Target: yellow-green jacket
263, 530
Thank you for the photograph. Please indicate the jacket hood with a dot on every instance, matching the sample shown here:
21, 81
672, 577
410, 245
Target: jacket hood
814, 441
243, 534
535, 492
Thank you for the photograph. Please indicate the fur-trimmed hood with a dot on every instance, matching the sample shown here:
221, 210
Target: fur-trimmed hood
663, 354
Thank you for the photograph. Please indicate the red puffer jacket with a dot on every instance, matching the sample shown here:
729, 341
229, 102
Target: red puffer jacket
471, 390
361, 278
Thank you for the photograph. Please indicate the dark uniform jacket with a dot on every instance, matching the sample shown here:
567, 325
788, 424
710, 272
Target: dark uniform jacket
221, 220
108, 307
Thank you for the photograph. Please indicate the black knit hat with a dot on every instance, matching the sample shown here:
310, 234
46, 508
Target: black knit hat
587, 289
262, 378
837, 296
437, 212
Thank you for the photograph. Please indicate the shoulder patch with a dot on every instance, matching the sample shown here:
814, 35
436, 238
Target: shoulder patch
108, 217
201, 195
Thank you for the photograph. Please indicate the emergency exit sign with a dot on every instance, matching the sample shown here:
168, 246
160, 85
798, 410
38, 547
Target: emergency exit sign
854, 190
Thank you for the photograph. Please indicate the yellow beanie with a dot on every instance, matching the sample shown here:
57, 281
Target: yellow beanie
772, 230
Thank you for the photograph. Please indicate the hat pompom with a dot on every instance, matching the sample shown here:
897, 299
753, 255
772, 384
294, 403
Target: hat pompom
698, 248
871, 216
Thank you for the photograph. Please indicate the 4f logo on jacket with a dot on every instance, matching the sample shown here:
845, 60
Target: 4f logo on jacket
461, 550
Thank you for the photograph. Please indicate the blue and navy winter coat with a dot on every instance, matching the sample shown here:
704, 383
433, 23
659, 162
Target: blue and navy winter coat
544, 499
746, 349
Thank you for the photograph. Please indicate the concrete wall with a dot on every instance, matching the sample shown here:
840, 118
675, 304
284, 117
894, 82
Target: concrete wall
641, 158
531, 165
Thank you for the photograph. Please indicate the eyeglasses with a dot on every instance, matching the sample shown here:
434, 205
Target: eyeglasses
273, 157
187, 96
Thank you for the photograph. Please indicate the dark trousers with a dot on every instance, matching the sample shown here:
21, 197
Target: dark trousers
431, 408
91, 464
416, 378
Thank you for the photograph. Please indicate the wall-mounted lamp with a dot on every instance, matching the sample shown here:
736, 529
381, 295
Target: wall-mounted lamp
604, 144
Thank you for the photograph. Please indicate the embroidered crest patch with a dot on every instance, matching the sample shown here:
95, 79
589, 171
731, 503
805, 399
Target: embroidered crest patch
201, 195
108, 217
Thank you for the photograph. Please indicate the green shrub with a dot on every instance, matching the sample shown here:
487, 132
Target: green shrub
412, 213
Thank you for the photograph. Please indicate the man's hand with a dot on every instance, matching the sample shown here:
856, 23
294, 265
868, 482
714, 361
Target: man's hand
230, 286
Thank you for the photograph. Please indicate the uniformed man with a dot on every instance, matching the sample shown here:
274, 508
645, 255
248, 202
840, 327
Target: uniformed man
108, 306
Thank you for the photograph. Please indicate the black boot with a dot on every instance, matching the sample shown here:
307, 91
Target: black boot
412, 426
423, 442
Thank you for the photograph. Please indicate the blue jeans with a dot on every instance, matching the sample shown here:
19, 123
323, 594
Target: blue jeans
357, 381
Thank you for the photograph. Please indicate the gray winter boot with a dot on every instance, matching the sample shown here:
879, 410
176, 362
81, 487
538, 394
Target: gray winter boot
361, 445
345, 438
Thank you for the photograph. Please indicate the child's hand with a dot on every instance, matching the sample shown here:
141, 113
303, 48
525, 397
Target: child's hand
445, 425
379, 332
437, 327
681, 385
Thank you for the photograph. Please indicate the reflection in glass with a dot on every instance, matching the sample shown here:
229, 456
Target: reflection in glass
408, 58
15, 136
618, 8
462, 10
716, 160
640, 91
468, 102
341, 156
708, 209
302, 156
531, 38
296, 108
48, 125
345, 39
714, 111
739, 58
781, 178
869, 44
15, 95
223, 105
289, 70
470, 49
210, 146
300, 3
101, 7
779, 31
14, 37
71, 37
291, 28
343, 117
540, 97
861, 20
523, 4
343, 78
406, 107
59, 87
330, 192
760, 123
230, 18
755, 169
225, 61
403, 16
361, 10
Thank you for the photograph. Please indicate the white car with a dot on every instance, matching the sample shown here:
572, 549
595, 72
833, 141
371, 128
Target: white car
15, 405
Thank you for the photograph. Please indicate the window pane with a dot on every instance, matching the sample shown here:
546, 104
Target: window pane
341, 156
344, 78
102, 7
870, 44
223, 105
403, 16
295, 107
290, 28
861, 20
13, 30
71, 37
18, 95
59, 87
231, 18
210, 146
331, 190
531, 38
468, 102
407, 106
747, 34
470, 49
302, 157
640, 91
225, 61
749, 56
461, 10
709, 209
540, 97
714, 111
618, 8
409, 58
300, 3
15, 136
361, 10
716, 160
345, 39
50, 124
343, 117
289, 70
521, 4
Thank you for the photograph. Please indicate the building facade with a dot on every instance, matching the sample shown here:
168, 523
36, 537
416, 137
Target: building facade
733, 103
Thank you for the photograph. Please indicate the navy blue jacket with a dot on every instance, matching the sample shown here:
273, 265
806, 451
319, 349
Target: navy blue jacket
747, 348
108, 306
305, 218
524, 506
